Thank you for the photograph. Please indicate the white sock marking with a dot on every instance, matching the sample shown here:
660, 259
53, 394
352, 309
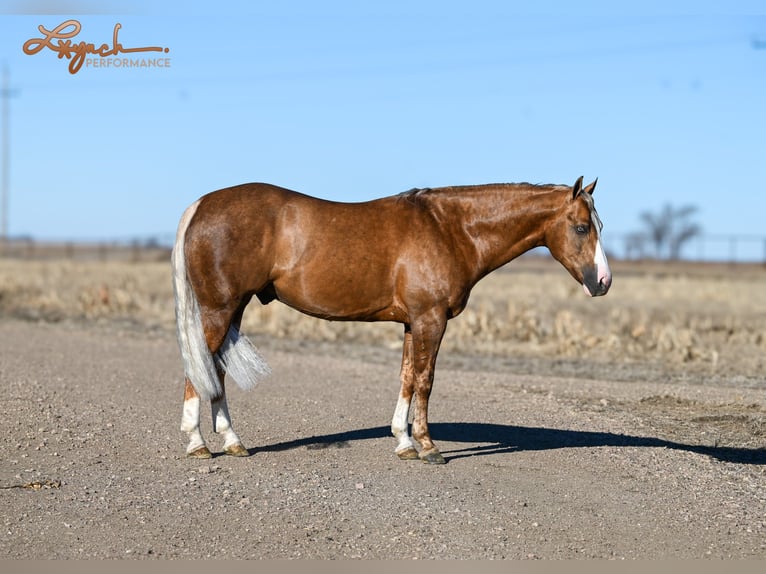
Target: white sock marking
399, 426
222, 422
190, 424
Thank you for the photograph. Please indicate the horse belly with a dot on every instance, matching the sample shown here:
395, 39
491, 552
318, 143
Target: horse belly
338, 290
337, 261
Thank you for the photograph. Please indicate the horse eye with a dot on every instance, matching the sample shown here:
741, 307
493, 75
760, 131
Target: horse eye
581, 229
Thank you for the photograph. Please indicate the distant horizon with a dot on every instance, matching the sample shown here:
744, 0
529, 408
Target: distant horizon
746, 249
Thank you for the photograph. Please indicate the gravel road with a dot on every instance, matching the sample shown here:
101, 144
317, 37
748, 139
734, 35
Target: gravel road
544, 461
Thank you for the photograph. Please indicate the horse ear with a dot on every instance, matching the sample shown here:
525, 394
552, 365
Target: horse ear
591, 188
577, 188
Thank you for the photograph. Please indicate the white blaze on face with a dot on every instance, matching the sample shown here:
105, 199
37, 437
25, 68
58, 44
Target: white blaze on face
603, 272
602, 266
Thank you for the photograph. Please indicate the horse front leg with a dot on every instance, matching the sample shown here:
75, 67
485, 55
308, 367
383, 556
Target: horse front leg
427, 334
405, 447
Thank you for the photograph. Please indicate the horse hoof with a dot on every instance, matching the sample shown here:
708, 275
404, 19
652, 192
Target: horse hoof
201, 452
408, 453
432, 456
236, 450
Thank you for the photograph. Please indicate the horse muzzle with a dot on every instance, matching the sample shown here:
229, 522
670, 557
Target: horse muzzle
596, 282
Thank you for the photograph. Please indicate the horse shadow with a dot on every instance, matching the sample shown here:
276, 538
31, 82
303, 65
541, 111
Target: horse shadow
493, 439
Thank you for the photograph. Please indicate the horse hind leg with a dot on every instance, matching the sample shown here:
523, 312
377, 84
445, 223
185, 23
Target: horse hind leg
215, 327
190, 424
237, 357
232, 445
197, 448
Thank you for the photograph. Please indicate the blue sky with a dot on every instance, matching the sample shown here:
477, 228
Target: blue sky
356, 100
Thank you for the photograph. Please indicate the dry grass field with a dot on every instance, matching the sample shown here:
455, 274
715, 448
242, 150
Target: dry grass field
681, 317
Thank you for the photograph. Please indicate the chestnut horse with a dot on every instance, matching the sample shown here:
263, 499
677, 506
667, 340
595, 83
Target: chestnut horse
412, 258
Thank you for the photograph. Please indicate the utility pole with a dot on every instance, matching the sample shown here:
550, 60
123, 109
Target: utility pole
759, 44
6, 95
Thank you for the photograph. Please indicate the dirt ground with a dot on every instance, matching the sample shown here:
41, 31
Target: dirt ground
548, 457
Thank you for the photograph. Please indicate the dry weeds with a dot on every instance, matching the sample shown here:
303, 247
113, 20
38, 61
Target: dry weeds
706, 319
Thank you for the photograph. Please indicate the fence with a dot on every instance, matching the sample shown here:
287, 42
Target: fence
133, 251
703, 248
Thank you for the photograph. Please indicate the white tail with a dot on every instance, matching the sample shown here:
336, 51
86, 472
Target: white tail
237, 356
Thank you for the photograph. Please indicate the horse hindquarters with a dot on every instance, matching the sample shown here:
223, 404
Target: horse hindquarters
209, 349
198, 361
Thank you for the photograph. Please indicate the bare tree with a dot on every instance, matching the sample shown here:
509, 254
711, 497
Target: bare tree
669, 229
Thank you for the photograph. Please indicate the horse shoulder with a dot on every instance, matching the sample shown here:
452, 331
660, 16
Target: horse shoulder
432, 268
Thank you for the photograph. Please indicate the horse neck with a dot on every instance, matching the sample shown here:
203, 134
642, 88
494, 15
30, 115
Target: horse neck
500, 222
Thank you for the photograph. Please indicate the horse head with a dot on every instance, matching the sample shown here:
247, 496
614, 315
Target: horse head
574, 239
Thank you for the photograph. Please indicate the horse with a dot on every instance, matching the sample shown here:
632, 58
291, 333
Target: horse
411, 258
